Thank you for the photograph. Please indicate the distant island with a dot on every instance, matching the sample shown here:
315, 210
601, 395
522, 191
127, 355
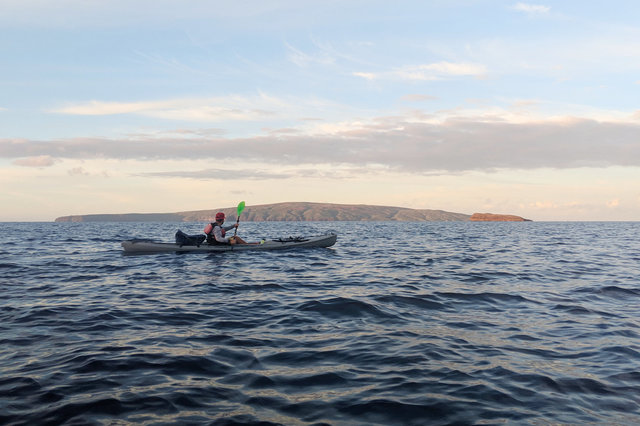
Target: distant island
490, 217
287, 212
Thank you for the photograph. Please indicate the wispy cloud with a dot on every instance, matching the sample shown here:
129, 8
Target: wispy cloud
182, 133
171, 63
211, 110
36, 161
218, 174
428, 72
532, 9
325, 53
416, 97
78, 171
261, 111
303, 59
366, 75
453, 69
260, 174
261, 107
613, 203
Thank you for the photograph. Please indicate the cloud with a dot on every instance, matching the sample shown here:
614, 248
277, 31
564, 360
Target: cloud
418, 98
543, 205
454, 69
365, 75
78, 171
259, 107
613, 203
450, 145
303, 59
339, 172
531, 9
37, 161
116, 13
218, 174
183, 133
208, 110
428, 72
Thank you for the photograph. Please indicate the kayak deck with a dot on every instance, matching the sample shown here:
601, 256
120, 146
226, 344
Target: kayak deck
148, 246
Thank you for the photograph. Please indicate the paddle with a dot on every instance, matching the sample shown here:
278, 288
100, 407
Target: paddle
240, 209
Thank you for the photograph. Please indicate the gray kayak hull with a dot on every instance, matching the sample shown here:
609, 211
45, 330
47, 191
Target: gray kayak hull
146, 246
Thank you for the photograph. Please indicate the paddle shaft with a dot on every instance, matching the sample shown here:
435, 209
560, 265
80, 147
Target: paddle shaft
240, 209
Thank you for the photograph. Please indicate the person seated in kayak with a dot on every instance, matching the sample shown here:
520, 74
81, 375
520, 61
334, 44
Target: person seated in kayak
216, 233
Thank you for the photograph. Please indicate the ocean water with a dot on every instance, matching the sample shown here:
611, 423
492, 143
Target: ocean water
398, 323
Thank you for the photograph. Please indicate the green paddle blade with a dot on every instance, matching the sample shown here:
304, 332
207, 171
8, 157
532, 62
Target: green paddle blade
240, 208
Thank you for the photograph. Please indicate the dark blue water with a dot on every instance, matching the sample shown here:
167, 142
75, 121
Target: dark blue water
398, 323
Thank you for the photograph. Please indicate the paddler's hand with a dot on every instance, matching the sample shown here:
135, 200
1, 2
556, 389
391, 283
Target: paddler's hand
235, 225
232, 240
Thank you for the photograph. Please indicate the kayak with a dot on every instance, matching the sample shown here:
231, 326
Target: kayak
149, 246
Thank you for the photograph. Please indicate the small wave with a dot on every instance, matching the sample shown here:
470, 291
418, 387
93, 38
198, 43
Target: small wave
23, 341
117, 348
624, 352
486, 298
524, 337
242, 419
41, 314
547, 354
305, 357
237, 358
628, 333
387, 411
172, 366
87, 411
81, 278
581, 310
619, 292
257, 287
627, 377
174, 317
422, 302
341, 307
584, 386
251, 380
292, 384
19, 386
482, 392
322, 380
110, 268
469, 325
238, 324
609, 290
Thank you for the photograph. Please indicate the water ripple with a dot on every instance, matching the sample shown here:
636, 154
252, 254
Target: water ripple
449, 323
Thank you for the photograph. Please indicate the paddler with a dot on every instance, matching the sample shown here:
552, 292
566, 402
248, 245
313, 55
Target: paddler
216, 233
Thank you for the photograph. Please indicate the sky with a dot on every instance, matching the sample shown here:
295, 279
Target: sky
138, 106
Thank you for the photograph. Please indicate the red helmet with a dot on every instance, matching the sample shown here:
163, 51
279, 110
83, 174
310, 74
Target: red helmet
219, 216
